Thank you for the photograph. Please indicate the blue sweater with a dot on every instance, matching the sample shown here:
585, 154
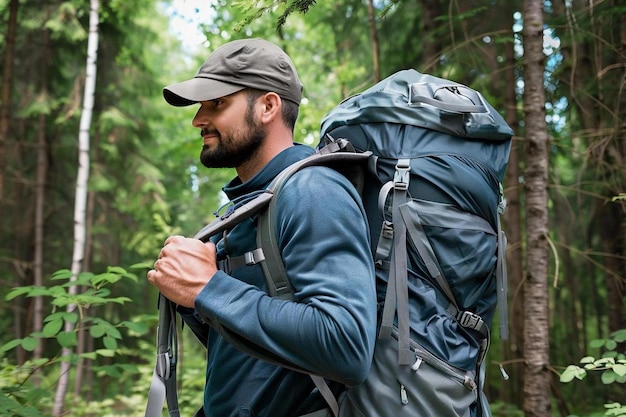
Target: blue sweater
329, 330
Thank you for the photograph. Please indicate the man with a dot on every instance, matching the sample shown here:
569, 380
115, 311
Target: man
249, 94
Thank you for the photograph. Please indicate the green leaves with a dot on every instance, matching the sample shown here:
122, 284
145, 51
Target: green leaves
571, 372
67, 339
93, 293
105, 330
612, 366
615, 409
612, 370
28, 343
63, 326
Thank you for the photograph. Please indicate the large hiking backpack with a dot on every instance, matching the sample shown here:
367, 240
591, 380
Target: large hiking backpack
433, 199
428, 156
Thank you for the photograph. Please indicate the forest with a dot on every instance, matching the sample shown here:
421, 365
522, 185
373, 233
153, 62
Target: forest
96, 170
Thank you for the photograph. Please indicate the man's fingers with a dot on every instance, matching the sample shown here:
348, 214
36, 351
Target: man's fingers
211, 246
150, 276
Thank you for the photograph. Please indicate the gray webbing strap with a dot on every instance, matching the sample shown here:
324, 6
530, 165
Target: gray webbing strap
163, 385
156, 396
273, 268
501, 272
420, 240
397, 295
328, 395
278, 284
446, 216
247, 259
501, 285
235, 216
385, 239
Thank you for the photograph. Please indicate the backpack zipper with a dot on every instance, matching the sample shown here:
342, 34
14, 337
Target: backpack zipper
422, 355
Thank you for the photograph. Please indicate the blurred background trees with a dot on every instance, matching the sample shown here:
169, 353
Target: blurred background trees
146, 182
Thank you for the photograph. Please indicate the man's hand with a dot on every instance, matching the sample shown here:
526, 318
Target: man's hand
184, 267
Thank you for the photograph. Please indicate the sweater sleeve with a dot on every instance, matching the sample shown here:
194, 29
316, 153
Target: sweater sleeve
324, 239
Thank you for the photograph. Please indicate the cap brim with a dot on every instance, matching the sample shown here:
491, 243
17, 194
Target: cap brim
197, 89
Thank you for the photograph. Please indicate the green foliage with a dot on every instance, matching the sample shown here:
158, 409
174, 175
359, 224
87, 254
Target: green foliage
253, 10
502, 409
18, 395
62, 325
65, 23
620, 196
611, 365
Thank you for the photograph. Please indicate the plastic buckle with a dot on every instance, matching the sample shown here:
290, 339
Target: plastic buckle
387, 230
163, 365
249, 258
470, 320
402, 175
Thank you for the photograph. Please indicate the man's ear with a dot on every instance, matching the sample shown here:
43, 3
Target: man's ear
271, 106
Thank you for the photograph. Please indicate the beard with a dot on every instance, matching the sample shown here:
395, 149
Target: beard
235, 147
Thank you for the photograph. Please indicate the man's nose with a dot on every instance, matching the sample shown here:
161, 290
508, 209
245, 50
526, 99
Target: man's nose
201, 118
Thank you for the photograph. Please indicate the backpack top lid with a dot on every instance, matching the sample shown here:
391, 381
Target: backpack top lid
409, 97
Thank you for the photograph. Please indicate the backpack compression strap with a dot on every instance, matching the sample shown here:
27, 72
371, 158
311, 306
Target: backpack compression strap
501, 273
397, 295
409, 216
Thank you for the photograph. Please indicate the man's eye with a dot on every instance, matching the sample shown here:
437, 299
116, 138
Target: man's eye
216, 102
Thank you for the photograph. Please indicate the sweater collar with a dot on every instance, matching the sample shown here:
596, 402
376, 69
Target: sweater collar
235, 188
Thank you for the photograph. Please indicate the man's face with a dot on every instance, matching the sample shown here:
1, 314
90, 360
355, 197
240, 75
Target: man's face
230, 131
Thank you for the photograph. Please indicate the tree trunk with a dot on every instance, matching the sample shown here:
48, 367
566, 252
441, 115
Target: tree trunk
371, 12
431, 44
5, 117
40, 198
512, 220
7, 85
536, 314
81, 190
84, 338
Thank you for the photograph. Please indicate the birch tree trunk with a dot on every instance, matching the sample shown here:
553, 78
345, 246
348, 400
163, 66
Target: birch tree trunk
82, 180
536, 313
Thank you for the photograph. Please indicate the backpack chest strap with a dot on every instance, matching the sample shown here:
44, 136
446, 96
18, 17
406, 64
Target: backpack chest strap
250, 258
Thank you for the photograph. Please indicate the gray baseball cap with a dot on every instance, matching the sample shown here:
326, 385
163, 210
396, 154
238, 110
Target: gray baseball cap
246, 63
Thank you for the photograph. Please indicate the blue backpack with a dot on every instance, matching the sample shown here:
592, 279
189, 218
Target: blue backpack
428, 156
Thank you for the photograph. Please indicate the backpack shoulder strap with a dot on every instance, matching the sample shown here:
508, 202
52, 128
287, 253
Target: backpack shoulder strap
235, 216
339, 156
163, 385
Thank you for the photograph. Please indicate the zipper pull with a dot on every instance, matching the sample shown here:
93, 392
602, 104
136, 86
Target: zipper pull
404, 398
417, 364
505, 376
